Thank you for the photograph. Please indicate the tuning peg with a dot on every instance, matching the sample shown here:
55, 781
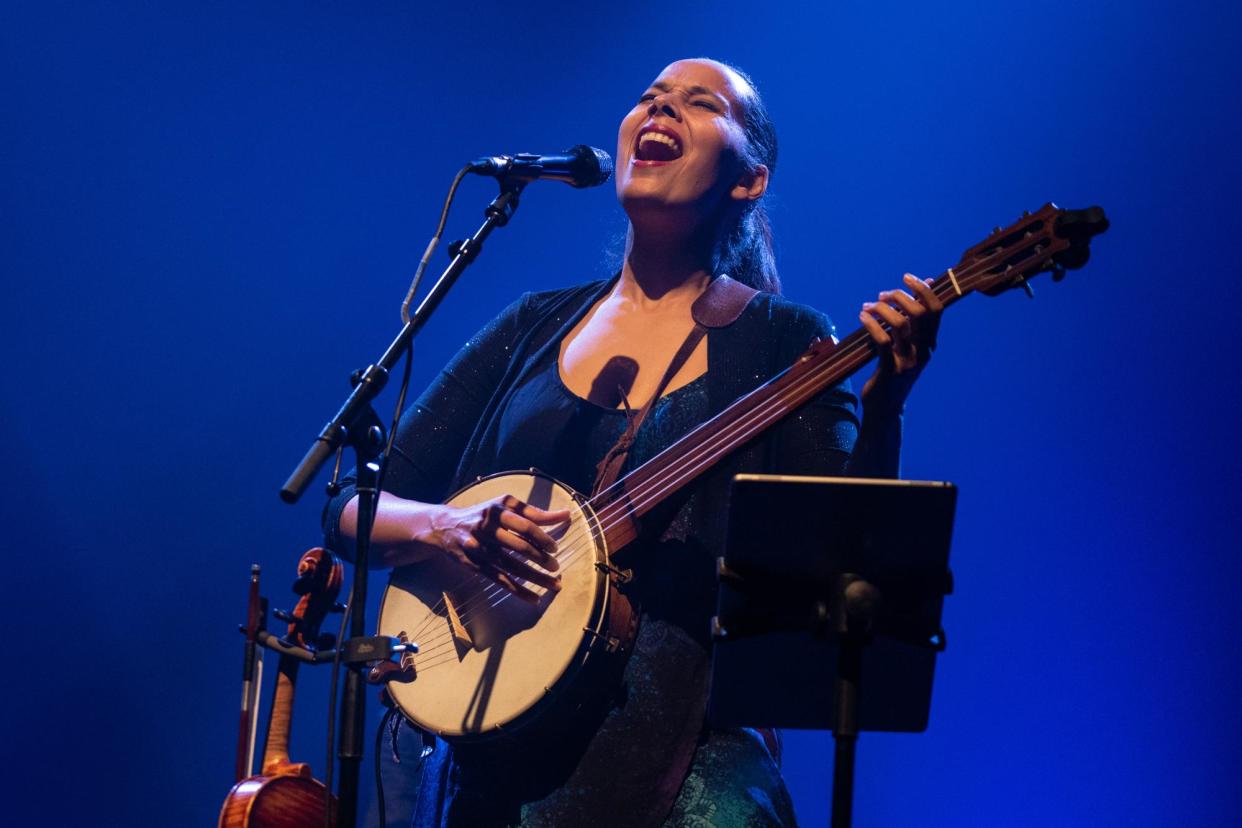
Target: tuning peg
1030, 292
338, 607
1026, 214
996, 230
283, 616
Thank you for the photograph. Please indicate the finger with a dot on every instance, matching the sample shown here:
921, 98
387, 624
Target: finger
930, 324
878, 335
508, 583
897, 321
908, 304
925, 292
512, 563
519, 545
544, 547
543, 516
534, 513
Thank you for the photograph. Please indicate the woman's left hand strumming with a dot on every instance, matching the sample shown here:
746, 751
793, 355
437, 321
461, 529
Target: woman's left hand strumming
905, 347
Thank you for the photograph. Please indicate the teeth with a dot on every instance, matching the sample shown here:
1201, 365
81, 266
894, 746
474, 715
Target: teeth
662, 138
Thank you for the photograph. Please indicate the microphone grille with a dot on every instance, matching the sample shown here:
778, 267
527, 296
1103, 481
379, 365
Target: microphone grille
592, 166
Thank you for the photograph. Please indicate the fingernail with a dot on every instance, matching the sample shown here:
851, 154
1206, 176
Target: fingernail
868, 305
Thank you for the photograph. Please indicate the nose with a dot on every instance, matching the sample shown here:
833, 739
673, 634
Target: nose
663, 104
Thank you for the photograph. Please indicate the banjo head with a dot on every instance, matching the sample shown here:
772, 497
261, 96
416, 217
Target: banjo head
489, 661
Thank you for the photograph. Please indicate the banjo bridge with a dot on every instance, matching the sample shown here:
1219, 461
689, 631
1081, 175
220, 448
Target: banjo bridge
461, 637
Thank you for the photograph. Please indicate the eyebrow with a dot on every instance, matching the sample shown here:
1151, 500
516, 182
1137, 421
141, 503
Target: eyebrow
693, 90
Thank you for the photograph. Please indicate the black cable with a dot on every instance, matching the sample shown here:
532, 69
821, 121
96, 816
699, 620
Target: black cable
379, 777
431, 246
392, 431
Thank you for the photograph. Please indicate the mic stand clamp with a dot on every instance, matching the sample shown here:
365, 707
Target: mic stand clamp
366, 650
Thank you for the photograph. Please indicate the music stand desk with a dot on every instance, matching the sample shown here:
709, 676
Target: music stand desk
831, 591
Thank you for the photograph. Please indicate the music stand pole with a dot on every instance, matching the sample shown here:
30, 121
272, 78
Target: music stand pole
853, 604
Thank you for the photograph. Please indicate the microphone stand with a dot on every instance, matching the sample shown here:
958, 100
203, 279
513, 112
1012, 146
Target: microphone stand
357, 426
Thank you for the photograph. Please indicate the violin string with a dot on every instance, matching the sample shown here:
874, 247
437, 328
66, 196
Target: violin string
614, 512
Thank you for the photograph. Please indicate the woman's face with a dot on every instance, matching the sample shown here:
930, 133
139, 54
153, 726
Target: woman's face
681, 146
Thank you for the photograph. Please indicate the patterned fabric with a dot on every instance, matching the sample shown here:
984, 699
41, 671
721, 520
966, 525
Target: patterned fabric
734, 781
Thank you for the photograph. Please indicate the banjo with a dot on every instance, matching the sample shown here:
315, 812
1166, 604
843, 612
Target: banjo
489, 663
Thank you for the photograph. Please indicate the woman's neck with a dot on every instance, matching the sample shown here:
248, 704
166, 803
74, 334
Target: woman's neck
664, 270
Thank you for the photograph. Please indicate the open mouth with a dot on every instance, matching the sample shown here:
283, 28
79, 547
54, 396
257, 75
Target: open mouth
657, 144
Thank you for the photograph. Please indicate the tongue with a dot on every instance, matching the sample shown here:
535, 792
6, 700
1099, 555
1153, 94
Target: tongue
656, 151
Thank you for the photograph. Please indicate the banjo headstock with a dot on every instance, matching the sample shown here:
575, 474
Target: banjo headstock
1051, 239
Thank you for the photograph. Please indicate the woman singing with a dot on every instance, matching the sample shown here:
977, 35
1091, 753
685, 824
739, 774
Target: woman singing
552, 382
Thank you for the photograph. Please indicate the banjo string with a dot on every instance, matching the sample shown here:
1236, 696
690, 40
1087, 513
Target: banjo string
656, 489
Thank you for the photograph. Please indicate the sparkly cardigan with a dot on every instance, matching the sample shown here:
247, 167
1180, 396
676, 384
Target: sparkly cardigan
448, 437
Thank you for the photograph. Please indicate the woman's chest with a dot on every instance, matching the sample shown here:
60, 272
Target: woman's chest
614, 348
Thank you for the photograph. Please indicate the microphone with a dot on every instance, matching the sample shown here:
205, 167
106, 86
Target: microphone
580, 166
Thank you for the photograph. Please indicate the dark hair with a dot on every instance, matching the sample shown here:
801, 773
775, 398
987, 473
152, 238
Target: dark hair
744, 249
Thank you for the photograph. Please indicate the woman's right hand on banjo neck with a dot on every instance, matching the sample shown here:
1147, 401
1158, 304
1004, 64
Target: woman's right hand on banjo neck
498, 538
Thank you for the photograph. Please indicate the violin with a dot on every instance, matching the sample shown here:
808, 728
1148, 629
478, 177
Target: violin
285, 794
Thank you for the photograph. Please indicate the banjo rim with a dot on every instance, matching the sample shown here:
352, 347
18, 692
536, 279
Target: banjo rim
594, 633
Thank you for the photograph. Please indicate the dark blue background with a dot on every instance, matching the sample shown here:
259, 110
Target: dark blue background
210, 215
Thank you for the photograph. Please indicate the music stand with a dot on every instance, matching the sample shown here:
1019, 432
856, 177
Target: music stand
826, 581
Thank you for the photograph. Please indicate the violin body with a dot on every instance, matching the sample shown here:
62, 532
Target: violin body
285, 795
282, 801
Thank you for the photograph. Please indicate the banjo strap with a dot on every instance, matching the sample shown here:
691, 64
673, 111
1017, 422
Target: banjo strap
609, 468
720, 305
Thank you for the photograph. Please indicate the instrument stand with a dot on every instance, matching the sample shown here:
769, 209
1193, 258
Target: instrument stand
854, 587
357, 426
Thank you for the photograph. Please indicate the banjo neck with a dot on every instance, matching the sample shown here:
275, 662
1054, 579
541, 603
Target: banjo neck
458, 686
823, 365
1051, 239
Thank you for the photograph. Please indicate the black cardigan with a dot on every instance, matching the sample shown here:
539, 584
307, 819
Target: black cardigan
448, 437
445, 439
